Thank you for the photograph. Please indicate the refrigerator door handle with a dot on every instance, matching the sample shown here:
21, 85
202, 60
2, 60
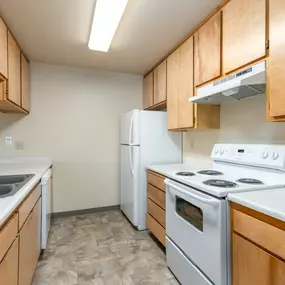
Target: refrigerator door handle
131, 129
130, 160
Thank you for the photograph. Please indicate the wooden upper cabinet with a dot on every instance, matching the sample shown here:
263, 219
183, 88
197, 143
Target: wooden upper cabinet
186, 84
207, 50
25, 83
244, 33
252, 265
148, 91
180, 87
3, 49
160, 83
172, 90
276, 61
14, 71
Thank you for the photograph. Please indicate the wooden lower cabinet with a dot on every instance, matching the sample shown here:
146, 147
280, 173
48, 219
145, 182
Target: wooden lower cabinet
30, 247
257, 248
254, 266
155, 211
276, 62
156, 195
8, 234
156, 229
155, 218
9, 266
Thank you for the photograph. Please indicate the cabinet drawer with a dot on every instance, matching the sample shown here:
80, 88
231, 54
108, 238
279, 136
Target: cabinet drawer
261, 233
157, 181
28, 205
156, 195
155, 228
7, 235
9, 266
156, 212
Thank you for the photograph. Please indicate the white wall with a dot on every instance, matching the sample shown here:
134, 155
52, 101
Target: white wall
241, 122
75, 120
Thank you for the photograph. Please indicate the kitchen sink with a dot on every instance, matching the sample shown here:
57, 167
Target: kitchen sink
11, 184
6, 189
12, 179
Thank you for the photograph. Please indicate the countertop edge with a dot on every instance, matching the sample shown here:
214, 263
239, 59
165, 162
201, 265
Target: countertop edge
257, 207
28, 188
154, 169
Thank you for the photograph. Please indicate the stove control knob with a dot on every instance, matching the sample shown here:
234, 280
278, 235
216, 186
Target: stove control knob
275, 155
264, 154
221, 151
216, 151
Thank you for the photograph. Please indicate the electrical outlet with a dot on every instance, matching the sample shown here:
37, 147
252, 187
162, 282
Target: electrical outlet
19, 145
8, 141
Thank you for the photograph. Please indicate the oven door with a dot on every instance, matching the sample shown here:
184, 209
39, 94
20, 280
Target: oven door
196, 223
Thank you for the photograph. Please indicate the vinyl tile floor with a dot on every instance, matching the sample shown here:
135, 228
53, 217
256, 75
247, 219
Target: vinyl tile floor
101, 249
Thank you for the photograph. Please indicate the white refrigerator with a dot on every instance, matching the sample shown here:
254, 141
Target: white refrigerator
144, 140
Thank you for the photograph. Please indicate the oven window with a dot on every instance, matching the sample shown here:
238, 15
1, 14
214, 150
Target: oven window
190, 213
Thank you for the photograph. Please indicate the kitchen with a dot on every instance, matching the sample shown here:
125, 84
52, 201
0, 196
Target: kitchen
73, 127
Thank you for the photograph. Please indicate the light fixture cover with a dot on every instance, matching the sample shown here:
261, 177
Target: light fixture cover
107, 16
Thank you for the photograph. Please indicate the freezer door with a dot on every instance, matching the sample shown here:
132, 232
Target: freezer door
129, 182
130, 128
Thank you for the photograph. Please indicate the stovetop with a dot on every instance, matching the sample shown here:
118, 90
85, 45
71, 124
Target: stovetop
221, 179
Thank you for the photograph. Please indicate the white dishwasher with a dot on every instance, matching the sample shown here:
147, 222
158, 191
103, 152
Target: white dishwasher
46, 207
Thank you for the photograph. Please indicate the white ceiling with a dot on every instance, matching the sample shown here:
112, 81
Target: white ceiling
57, 31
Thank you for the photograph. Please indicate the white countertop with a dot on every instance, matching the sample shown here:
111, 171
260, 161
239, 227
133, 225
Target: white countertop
14, 166
190, 163
269, 202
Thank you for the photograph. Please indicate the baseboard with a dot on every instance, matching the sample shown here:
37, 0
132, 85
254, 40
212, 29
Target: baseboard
85, 211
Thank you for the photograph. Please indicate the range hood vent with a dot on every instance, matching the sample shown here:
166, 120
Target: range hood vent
243, 84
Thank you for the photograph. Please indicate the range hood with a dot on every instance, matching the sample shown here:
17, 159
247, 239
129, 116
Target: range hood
243, 84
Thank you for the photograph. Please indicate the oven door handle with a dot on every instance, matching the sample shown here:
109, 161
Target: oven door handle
209, 200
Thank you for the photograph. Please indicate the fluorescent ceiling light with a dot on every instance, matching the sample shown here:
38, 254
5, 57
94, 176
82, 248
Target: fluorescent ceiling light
107, 16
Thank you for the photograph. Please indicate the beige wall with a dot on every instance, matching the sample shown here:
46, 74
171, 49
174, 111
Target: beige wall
75, 120
241, 122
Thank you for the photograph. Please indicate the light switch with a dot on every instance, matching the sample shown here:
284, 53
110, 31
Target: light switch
8, 141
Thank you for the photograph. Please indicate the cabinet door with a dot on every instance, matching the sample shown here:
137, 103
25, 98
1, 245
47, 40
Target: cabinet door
9, 266
14, 71
25, 83
30, 247
276, 61
186, 84
172, 90
160, 83
148, 91
244, 33
252, 265
207, 48
3, 49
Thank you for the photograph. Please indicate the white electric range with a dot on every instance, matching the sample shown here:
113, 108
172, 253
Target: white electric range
197, 214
